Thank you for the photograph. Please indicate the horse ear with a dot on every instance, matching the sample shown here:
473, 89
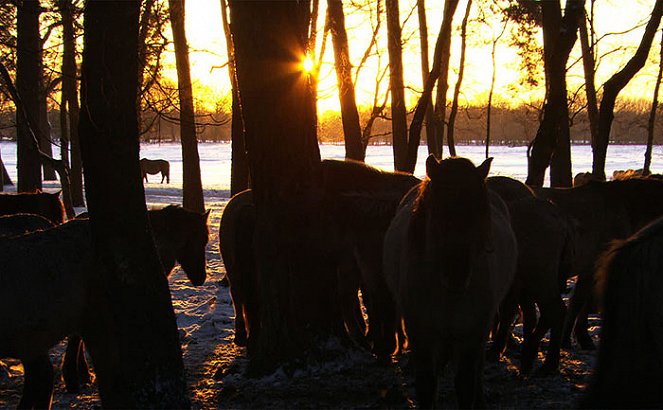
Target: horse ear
431, 165
484, 168
207, 214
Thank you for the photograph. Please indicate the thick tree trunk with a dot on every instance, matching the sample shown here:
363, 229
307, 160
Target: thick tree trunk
461, 71
398, 112
28, 85
192, 187
296, 289
70, 101
552, 144
239, 167
646, 169
615, 84
354, 149
132, 333
423, 37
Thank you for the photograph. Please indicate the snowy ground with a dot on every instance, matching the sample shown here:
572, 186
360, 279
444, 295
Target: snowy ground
352, 379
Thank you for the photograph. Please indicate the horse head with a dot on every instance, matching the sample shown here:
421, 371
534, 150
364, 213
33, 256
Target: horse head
453, 211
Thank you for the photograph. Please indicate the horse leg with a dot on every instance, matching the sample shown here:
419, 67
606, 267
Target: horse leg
349, 284
579, 300
503, 321
37, 384
468, 381
425, 384
532, 341
581, 329
75, 370
556, 310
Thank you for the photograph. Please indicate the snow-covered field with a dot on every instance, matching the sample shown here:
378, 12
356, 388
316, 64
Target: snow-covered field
351, 379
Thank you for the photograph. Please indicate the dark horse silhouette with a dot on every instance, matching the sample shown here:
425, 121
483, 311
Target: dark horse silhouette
18, 224
360, 201
449, 259
39, 203
601, 212
630, 277
44, 284
153, 167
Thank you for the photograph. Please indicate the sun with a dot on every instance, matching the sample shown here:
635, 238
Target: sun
308, 65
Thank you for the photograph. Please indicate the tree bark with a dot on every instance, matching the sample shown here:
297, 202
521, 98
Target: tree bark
192, 186
132, 333
28, 85
70, 104
646, 169
552, 144
615, 84
354, 149
461, 72
589, 68
425, 64
489, 109
398, 112
239, 167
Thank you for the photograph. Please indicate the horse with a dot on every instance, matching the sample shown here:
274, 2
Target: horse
18, 224
601, 212
450, 258
153, 167
630, 358
39, 203
180, 236
360, 201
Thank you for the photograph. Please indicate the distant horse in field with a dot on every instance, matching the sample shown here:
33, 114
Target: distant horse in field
601, 212
450, 258
155, 166
39, 203
18, 224
360, 201
180, 236
629, 372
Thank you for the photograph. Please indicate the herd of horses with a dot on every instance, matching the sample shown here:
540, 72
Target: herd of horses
447, 263
450, 261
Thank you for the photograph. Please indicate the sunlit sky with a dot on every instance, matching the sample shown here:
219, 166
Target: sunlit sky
211, 83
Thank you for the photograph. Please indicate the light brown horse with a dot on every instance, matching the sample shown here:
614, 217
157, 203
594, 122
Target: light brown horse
449, 259
153, 167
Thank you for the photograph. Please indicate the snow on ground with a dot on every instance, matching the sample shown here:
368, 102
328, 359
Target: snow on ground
349, 379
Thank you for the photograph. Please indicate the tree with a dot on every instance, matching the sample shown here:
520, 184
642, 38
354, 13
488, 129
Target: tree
69, 108
652, 114
396, 87
423, 38
459, 82
552, 144
489, 106
239, 168
192, 187
28, 85
133, 335
296, 289
589, 68
354, 149
615, 84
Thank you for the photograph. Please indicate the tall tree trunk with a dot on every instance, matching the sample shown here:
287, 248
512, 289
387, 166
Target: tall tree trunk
132, 335
443, 80
192, 187
646, 170
589, 68
45, 145
354, 149
489, 109
278, 107
423, 37
398, 112
615, 84
461, 71
552, 144
28, 85
70, 101
239, 167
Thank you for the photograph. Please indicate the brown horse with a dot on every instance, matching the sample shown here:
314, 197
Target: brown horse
450, 258
630, 277
360, 201
39, 203
18, 224
155, 166
601, 212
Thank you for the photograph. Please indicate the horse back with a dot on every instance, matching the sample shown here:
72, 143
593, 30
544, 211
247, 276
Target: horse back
39, 203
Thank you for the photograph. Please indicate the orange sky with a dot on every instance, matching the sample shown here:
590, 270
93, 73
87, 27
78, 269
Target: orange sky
207, 44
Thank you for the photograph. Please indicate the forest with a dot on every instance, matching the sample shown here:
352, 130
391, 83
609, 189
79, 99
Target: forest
318, 253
